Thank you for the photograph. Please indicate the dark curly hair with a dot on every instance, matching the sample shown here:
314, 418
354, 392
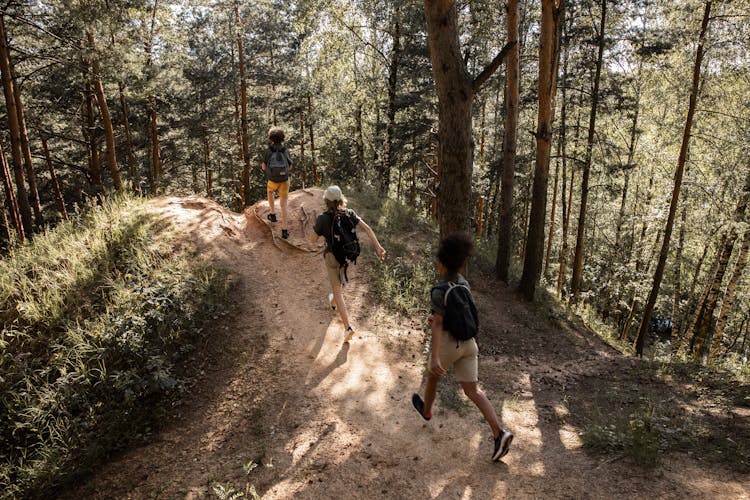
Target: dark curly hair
276, 135
454, 249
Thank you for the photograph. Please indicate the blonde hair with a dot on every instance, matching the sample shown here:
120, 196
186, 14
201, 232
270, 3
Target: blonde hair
336, 204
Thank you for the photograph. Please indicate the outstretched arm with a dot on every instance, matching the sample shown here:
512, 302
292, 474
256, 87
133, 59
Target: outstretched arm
379, 250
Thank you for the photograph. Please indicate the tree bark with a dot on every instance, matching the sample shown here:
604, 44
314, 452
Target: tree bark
243, 116
109, 133
132, 168
549, 50
575, 283
302, 162
10, 197
14, 128
89, 136
26, 148
55, 183
316, 180
659, 272
729, 296
385, 174
455, 91
512, 90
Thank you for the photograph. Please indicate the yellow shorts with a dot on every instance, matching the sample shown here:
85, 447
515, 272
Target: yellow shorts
283, 188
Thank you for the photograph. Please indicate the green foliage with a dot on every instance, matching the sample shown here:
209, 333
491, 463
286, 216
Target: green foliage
403, 282
638, 435
96, 314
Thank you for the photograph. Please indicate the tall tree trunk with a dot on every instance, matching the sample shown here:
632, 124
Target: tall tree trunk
705, 314
678, 271
109, 133
10, 197
551, 232
575, 283
243, 104
55, 183
302, 147
659, 273
512, 85
360, 143
14, 128
729, 296
316, 179
549, 50
455, 91
132, 168
385, 174
26, 148
89, 137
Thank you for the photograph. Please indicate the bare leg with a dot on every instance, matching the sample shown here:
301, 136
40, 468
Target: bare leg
480, 399
338, 298
271, 206
282, 202
430, 390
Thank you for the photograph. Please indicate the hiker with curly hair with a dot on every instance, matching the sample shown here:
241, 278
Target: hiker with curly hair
455, 324
277, 164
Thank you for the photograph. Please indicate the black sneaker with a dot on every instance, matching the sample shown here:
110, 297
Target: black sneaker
419, 405
285, 233
502, 445
271, 217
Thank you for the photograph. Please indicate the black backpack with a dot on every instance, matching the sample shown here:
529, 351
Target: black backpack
278, 166
461, 319
344, 240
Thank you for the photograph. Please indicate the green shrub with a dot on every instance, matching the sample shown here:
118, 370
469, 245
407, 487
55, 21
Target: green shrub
95, 314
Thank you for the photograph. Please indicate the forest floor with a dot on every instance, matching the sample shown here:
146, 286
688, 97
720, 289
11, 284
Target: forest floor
283, 405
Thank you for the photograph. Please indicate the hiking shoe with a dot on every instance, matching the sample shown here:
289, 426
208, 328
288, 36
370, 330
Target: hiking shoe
330, 301
416, 400
349, 334
285, 233
271, 217
502, 445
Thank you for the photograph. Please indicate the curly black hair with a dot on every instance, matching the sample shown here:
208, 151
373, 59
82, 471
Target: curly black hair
454, 249
276, 135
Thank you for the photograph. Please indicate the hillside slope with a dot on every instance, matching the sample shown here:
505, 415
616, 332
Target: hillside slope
324, 419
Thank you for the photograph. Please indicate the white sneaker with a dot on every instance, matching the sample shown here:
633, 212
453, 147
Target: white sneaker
330, 301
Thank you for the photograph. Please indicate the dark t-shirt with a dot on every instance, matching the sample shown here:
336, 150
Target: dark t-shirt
324, 222
272, 149
437, 298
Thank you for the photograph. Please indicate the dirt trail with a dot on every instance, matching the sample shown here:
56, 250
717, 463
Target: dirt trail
325, 419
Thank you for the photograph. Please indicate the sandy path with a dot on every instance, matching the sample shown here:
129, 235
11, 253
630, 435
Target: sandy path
330, 420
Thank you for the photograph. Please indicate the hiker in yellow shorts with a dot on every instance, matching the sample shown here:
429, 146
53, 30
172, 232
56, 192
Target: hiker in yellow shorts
277, 164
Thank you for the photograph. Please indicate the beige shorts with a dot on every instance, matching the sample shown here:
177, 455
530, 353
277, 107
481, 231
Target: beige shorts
462, 356
333, 268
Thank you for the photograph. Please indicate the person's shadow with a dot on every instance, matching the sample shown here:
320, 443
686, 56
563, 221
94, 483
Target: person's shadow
340, 360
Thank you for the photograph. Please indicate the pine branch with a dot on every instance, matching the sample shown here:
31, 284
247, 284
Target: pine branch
491, 67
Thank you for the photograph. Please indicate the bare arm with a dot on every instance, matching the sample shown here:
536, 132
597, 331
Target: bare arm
379, 250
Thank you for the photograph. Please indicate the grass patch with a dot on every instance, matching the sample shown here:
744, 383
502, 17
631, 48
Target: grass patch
638, 435
402, 284
450, 396
97, 313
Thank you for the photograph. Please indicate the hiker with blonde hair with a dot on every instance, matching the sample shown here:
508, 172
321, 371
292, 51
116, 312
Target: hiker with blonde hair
277, 164
338, 226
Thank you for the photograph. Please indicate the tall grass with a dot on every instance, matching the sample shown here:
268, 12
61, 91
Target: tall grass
95, 315
402, 284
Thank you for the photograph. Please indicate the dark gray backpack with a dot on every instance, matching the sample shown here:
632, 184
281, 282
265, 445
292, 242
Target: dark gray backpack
461, 319
277, 168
